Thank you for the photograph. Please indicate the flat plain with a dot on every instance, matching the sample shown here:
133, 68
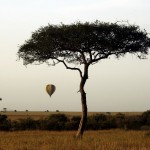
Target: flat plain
65, 140
42, 114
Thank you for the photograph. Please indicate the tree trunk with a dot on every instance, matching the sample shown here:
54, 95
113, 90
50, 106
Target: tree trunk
83, 120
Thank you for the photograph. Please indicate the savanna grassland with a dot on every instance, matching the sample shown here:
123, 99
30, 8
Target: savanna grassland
56, 131
65, 140
41, 114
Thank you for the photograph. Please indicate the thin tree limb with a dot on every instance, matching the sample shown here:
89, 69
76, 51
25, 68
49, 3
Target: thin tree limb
102, 57
83, 57
67, 67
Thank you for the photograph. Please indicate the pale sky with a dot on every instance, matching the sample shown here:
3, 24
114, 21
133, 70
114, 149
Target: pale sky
113, 85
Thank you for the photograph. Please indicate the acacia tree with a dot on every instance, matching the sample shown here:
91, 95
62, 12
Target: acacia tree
83, 44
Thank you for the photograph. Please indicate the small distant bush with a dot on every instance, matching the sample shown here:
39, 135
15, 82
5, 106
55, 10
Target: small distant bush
56, 122
120, 120
145, 117
24, 124
100, 122
72, 123
5, 123
133, 123
3, 118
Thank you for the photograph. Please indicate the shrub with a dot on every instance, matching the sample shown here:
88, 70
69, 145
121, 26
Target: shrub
99, 117
5, 123
97, 121
72, 123
3, 118
24, 124
56, 122
133, 122
120, 120
145, 118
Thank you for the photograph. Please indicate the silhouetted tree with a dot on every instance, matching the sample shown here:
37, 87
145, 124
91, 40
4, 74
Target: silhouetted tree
83, 44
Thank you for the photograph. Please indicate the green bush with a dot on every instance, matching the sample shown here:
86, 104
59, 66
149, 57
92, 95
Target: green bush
24, 124
5, 123
56, 122
120, 120
145, 118
3, 118
100, 121
72, 123
133, 123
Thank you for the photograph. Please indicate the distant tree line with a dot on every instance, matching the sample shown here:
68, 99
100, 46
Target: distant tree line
58, 122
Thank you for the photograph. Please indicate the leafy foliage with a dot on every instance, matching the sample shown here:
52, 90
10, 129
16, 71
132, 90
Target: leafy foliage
5, 123
146, 117
83, 43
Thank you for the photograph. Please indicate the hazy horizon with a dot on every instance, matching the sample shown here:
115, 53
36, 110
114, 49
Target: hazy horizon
114, 85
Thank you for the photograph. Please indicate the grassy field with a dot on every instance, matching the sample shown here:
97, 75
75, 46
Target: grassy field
39, 114
65, 140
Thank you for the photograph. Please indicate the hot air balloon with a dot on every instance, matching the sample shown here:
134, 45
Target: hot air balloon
50, 89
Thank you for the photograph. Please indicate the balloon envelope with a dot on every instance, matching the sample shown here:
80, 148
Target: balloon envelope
50, 89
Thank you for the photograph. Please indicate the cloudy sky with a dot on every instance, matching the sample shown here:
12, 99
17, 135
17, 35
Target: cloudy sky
113, 85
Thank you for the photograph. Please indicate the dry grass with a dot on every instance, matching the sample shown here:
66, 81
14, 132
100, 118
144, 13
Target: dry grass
92, 140
39, 114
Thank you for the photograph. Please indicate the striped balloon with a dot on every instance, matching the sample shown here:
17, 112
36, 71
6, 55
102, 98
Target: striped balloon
50, 89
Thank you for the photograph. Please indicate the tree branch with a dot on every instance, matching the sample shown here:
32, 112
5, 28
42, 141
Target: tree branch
67, 67
90, 56
83, 56
102, 57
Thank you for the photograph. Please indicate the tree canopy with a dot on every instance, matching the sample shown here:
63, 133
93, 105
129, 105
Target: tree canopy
84, 43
